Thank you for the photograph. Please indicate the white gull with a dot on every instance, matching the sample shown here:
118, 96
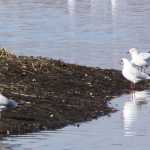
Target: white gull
141, 60
131, 73
6, 103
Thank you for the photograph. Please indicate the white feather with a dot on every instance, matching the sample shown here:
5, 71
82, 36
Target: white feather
131, 73
139, 59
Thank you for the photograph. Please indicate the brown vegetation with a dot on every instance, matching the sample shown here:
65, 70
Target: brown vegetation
52, 94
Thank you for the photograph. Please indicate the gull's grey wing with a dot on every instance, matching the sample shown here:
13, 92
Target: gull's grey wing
142, 75
145, 56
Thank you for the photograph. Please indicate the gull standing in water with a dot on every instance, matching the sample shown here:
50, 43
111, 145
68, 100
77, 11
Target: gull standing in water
132, 74
142, 60
6, 103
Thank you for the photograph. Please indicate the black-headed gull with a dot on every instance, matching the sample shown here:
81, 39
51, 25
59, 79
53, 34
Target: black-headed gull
142, 60
132, 74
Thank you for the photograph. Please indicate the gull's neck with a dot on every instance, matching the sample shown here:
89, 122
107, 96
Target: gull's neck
134, 54
127, 65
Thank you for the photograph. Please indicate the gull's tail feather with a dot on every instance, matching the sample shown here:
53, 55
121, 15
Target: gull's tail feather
143, 76
148, 77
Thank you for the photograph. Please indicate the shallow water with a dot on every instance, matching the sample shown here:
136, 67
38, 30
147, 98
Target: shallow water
127, 129
89, 32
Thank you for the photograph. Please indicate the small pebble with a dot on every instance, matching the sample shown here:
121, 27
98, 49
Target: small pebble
78, 125
86, 75
77, 92
91, 94
28, 102
33, 80
24, 73
63, 100
51, 115
107, 77
89, 84
24, 67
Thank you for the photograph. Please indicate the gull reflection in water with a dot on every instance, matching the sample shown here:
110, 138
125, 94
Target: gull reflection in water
132, 110
71, 6
114, 5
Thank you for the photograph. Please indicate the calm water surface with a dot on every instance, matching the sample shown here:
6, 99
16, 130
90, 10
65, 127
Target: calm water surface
88, 32
127, 129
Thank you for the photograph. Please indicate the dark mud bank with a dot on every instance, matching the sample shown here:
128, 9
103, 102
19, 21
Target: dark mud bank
52, 94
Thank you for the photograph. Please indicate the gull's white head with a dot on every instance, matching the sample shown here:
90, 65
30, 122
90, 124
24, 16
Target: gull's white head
133, 51
126, 63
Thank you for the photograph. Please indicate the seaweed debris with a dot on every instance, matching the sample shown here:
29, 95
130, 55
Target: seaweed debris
52, 94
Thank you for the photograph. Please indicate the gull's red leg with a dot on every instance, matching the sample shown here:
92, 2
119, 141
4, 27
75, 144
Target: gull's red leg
131, 89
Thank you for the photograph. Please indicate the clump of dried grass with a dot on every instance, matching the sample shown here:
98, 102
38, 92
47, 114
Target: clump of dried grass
4, 53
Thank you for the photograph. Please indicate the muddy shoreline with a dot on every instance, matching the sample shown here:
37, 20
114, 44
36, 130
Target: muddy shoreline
52, 94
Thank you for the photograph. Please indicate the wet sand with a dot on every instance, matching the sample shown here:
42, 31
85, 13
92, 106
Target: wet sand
52, 94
